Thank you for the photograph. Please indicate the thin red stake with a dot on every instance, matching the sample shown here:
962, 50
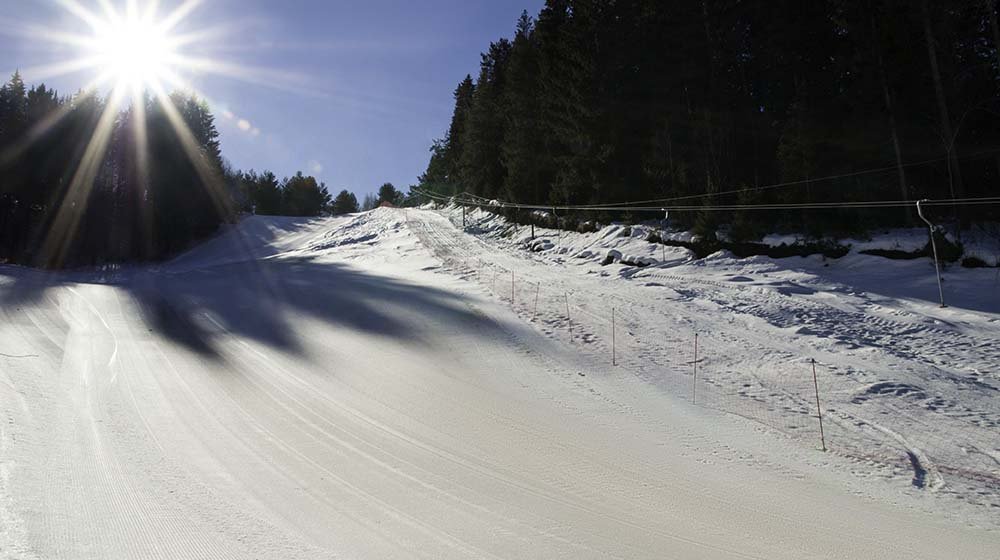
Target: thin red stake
614, 360
694, 392
569, 321
534, 313
819, 411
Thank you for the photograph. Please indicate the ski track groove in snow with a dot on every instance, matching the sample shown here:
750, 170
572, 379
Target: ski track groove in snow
474, 430
905, 341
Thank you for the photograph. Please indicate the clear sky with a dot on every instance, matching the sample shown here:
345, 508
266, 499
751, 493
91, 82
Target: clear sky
350, 91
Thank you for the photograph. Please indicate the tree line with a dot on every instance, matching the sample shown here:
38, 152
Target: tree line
724, 101
263, 193
84, 181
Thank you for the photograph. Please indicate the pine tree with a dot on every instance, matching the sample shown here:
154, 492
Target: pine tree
527, 178
303, 196
611, 101
387, 193
567, 60
345, 203
14, 106
13, 126
481, 168
268, 194
443, 173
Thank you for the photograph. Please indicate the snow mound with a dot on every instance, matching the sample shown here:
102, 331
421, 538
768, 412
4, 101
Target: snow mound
366, 228
539, 245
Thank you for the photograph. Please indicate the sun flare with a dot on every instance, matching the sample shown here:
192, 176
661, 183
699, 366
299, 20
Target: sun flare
132, 45
134, 52
135, 56
137, 47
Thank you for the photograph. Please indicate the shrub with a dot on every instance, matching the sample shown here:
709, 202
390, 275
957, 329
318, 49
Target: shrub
898, 255
974, 262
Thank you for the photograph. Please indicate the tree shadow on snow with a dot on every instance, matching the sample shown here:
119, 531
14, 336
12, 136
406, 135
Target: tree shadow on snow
251, 239
256, 299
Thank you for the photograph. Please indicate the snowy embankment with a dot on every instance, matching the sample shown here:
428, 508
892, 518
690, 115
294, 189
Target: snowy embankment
908, 390
351, 388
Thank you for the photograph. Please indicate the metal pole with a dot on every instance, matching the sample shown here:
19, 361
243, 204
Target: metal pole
463, 217
694, 392
819, 411
937, 265
614, 360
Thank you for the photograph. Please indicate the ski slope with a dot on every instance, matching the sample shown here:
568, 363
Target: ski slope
351, 388
908, 389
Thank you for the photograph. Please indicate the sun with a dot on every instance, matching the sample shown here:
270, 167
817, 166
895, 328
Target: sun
133, 48
135, 52
142, 46
139, 54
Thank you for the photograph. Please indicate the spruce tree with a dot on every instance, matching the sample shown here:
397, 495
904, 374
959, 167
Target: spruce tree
567, 59
527, 177
345, 203
387, 193
481, 168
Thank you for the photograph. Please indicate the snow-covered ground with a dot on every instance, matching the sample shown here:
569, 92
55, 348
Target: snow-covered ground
364, 387
909, 390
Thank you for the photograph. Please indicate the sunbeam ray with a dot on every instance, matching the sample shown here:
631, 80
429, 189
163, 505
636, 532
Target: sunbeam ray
38, 73
137, 45
75, 198
178, 82
46, 124
110, 12
258, 76
46, 34
92, 19
178, 15
201, 36
142, 165
132, 44
209, 176
151, 10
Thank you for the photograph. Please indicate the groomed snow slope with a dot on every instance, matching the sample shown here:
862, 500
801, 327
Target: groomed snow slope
909, 390
333, 389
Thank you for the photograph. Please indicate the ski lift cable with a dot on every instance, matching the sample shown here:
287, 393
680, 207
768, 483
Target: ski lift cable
621, 207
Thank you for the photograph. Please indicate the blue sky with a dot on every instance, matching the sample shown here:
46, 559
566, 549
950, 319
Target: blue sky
350, 91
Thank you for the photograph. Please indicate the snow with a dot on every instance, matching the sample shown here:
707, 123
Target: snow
366, 386
869, 322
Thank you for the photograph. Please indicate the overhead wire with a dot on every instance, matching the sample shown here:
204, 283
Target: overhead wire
809, 181
468, 198
662, 204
